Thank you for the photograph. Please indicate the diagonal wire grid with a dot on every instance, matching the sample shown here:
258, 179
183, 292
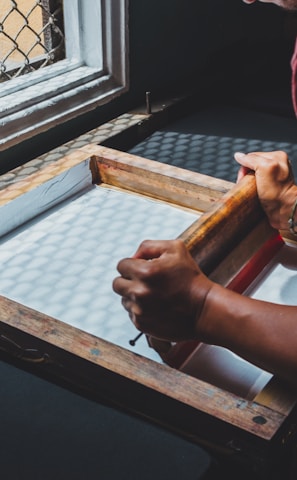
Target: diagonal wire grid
31, 36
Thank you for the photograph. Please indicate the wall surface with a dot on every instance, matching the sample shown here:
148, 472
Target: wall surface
180, 46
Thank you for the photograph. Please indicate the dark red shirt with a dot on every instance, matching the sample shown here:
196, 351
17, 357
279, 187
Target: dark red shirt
294, 78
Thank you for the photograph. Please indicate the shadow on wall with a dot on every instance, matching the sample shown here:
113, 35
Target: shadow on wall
171, 44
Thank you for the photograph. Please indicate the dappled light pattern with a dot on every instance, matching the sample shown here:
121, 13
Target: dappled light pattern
64, 262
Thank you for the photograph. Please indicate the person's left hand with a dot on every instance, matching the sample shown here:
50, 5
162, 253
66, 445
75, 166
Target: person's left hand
276, 187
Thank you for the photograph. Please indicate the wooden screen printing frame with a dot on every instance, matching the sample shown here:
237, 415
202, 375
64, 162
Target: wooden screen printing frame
231, 241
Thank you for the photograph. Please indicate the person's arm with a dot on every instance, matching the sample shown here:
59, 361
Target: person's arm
261, 332
168, 297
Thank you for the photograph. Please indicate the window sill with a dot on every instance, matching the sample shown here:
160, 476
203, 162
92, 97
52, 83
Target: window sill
61, 106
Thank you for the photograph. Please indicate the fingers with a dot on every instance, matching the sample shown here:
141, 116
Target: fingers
150, 249
135, 272
150, 258
132, 290
269, 164
158, 287
131, 268
135, 298
242, 172
275, 183
121, 286
132, 308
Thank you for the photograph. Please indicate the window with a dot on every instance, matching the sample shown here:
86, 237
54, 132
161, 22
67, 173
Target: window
73, 66
32, 36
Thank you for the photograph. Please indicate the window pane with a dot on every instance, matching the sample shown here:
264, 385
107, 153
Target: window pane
92, 71
31, 36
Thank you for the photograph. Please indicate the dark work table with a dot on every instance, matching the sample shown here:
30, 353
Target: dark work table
51, 432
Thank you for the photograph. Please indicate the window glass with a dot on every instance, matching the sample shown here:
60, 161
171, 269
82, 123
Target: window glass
58, 59
31, 36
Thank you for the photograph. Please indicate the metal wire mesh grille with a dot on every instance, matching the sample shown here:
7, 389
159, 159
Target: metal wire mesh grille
31, 36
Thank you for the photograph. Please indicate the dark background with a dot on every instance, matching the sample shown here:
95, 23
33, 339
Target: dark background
223, 50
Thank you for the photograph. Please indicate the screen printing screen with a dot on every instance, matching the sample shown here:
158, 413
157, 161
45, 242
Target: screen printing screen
63, 262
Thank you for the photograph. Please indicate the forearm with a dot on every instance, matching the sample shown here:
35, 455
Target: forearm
263, 333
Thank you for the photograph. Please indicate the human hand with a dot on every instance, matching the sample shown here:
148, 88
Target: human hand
275, 183
163, 290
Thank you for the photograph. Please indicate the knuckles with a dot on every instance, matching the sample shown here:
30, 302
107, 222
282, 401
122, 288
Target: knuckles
276, 164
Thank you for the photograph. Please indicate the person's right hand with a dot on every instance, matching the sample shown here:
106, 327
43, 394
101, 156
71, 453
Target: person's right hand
275, 183
163, 290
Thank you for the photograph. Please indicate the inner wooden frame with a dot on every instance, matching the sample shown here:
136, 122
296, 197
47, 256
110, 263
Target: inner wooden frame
231, 241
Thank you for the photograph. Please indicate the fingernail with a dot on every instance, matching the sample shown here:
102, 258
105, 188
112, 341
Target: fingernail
239, 154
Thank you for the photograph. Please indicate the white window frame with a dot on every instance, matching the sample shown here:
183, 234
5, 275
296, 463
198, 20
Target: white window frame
95, 71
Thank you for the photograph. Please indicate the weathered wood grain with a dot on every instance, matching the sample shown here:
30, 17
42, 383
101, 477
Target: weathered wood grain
161, 181
227, 236
160, 378
216, 233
